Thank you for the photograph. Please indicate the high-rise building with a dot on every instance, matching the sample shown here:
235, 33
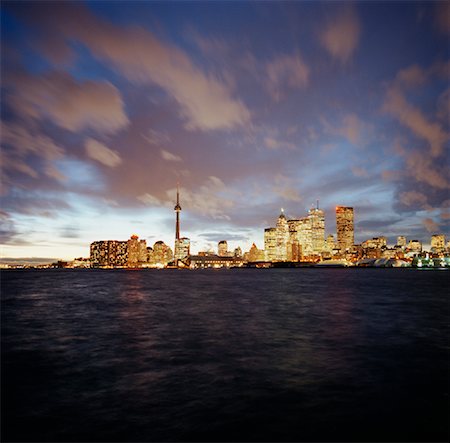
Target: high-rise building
330, 243
237, 252
109, 253
415, 246
222, 249
317, 220
344, 228
282, 238
270, 243
401, 241
134, 251
438, 243
162, 254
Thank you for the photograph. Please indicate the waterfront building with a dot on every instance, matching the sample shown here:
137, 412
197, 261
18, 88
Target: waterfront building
375, 243
134, 251
270, 243
438, 243
304, 236
108, 253
415, 246
162, 254
222, 249
254, 254
345, 228
330, 243
214, 261
238, 252
401, 241
282, 238
317, 220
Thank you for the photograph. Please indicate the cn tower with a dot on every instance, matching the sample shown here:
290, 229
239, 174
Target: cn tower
177, 209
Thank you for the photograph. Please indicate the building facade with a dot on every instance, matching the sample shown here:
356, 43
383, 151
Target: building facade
345, 228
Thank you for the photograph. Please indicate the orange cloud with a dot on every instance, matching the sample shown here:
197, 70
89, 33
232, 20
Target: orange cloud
101, 153
341, 36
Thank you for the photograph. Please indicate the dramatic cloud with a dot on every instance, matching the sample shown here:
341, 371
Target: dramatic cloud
285, 72
413, 197
430, 225
273, 143
166, 155
71, 104
409, 115
149, 200
209, 199
206, 102
101, 153
341, 36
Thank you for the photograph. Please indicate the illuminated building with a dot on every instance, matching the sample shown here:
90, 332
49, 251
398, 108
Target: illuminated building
134, 251
214, 261
162, 254
437, 243
270, 243
108, 253
238, 252
183, 245
222, 249
330, 242
344, 228
375, 243
304, 236
282, 238
415, 246
294, 251
255, 254
180, 246
317, 220
401, 241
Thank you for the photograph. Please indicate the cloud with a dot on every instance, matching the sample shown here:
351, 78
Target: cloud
352, 128
360, 172
410, 116
206, 102
430, 225
273, 143
101, 153
71, 104
409, 198
210, 199
166, 155
285, 72
149, 200
341, 36
156, 137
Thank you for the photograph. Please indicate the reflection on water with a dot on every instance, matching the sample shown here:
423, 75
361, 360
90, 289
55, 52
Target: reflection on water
282, 354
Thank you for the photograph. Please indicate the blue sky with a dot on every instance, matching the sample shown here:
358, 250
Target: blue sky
250, 106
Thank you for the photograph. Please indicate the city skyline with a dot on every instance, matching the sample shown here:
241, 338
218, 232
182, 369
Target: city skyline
249, 106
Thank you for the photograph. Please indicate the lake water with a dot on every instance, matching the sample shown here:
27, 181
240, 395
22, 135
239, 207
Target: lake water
228, 355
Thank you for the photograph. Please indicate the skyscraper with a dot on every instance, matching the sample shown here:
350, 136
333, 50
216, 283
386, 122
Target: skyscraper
317, 219
344, 228
282, 238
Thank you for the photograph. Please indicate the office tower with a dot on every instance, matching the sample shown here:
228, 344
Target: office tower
415, 246
375, 243
317, 221
304, 235
344, 228
282, 238
401, 241
133, 251
270, 243
108, 253
330, 243
255, 254
437, 243
184, 246
162, 254
222, 249
238, 252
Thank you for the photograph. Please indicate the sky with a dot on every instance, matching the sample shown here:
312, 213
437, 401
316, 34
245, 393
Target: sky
250, 106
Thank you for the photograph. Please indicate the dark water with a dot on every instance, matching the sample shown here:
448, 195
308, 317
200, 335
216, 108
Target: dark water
237, 355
